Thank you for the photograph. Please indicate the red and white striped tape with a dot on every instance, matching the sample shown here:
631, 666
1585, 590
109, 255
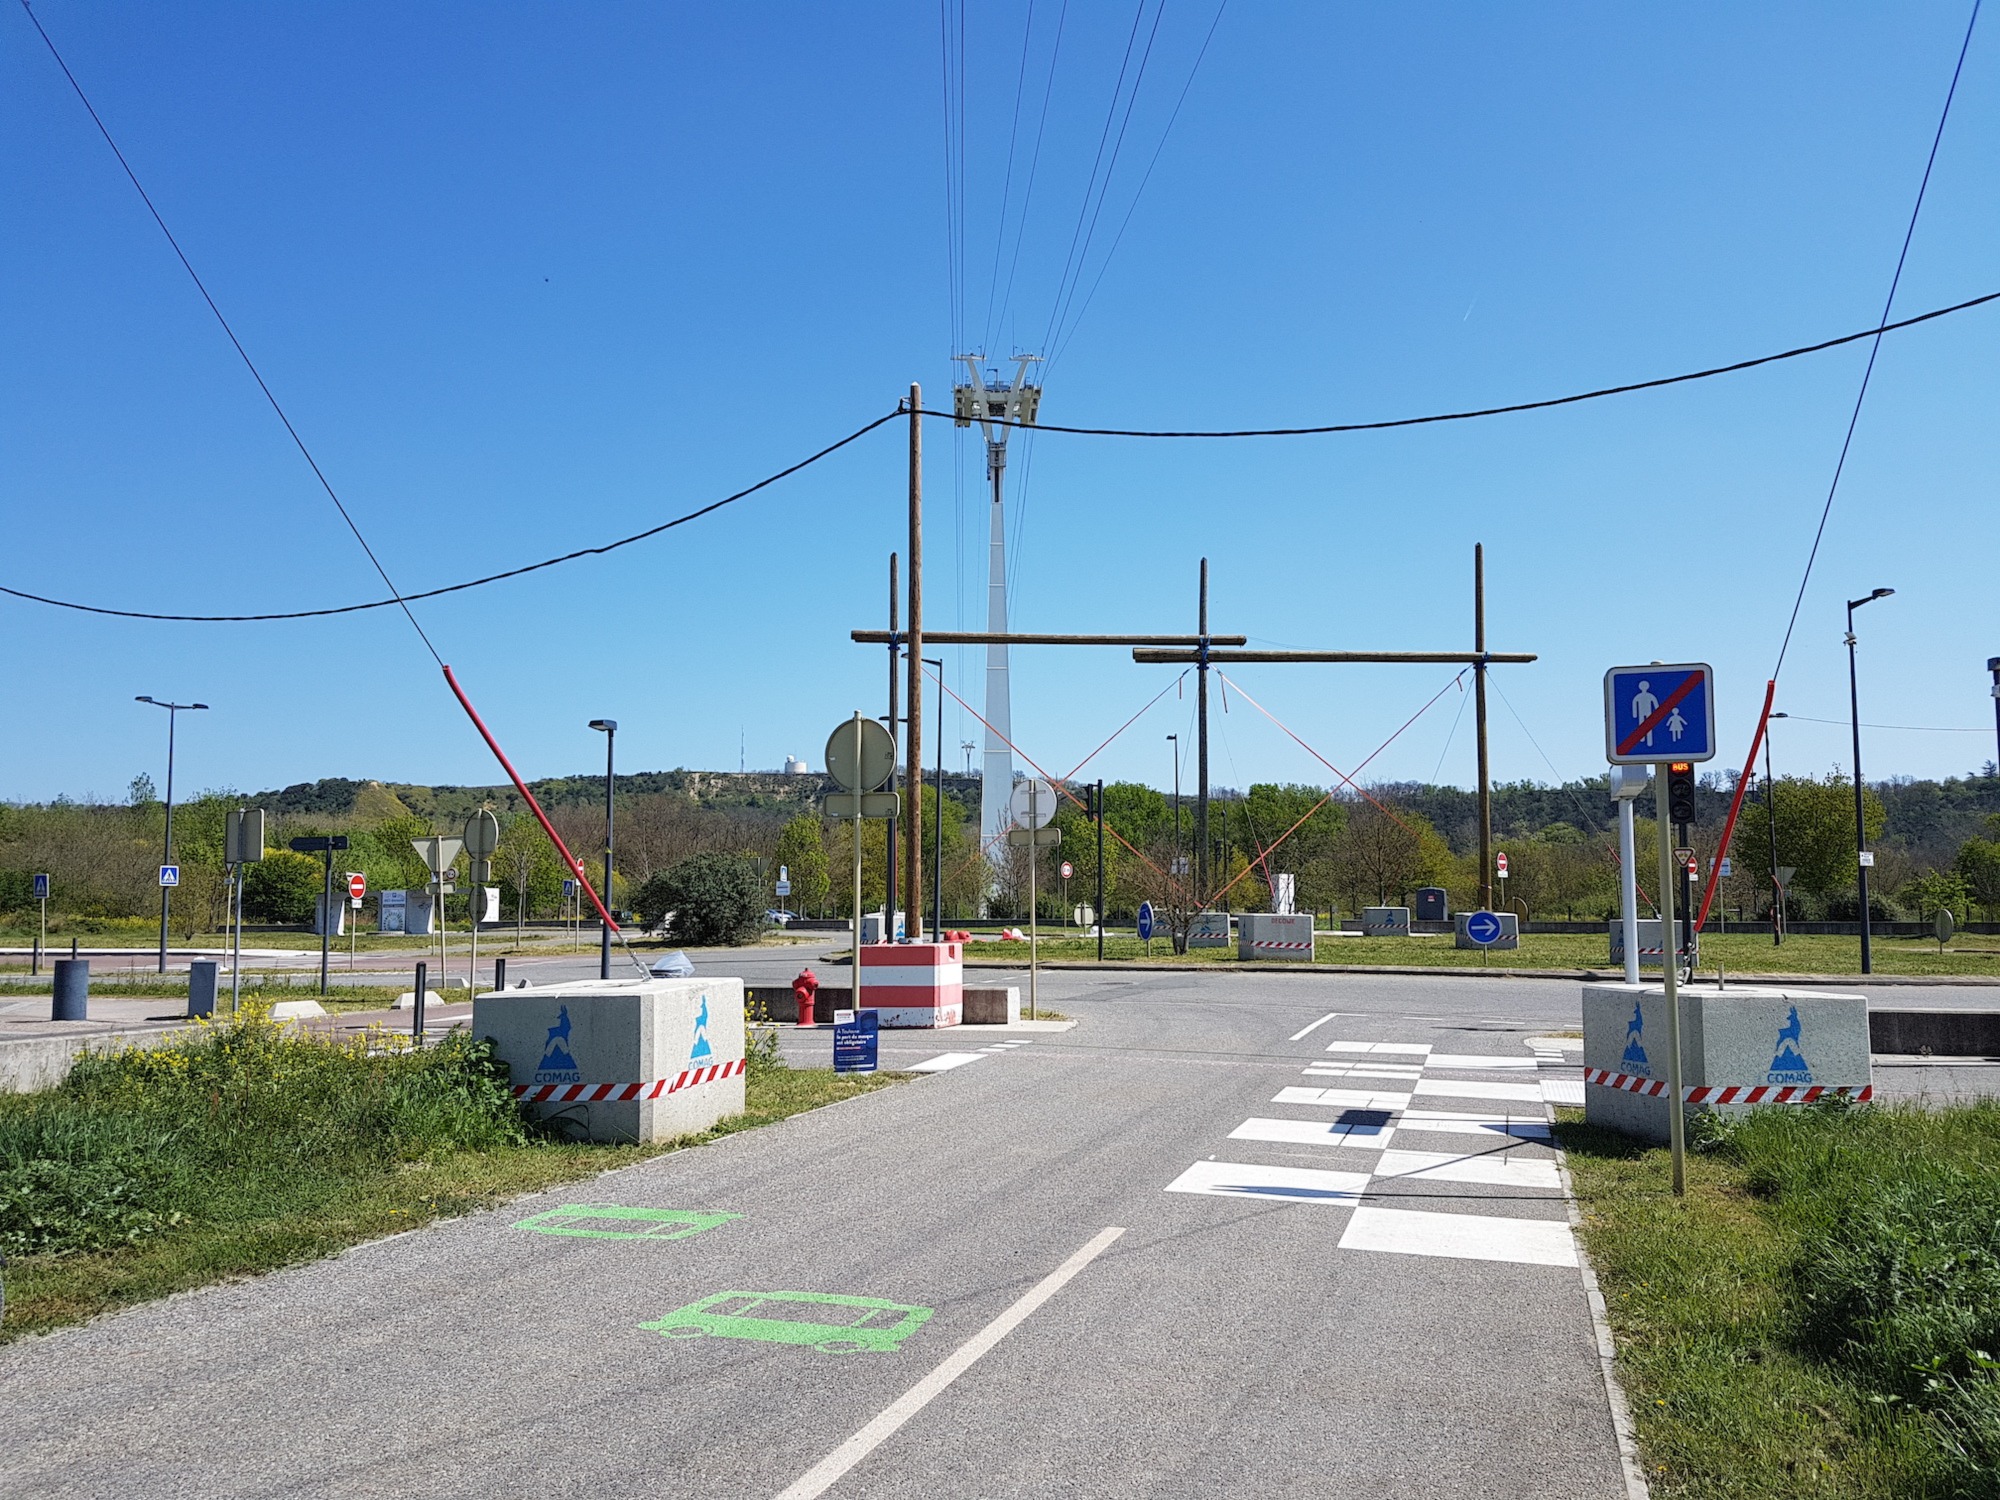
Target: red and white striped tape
1288, 947
599, 1093
1733, 1093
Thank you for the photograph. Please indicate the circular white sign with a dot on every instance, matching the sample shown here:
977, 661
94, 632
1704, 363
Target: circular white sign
1033, 803
1068, 869
868, 770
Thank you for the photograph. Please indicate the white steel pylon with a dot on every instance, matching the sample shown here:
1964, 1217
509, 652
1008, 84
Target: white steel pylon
996, 406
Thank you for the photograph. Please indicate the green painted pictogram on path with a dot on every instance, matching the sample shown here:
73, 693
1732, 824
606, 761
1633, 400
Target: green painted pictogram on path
614, 1221
821, 1320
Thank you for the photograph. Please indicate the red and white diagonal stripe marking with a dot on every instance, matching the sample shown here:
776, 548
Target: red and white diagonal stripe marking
599, 1093
1715, 1093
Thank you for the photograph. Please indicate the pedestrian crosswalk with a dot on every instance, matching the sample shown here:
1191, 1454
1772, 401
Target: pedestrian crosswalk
944, 1062
1428, 1153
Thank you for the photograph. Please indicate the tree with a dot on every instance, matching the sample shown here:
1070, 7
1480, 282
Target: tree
1978, 865
1935, 891
142, 792
1815, 833
715, 900
281, 887
1383, 852
802, 850
1298, 827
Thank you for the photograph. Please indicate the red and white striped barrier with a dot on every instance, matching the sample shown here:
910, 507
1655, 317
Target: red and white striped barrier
600, 1093
1262, 943
1733, 1093
913, 984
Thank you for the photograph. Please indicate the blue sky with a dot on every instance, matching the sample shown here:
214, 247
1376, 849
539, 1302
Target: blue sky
530, 277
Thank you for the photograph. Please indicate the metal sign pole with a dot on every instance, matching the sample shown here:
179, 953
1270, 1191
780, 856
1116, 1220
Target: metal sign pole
854, 968
1670, 969
326, 920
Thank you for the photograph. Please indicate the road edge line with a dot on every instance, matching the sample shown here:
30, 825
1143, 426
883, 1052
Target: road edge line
823, 1475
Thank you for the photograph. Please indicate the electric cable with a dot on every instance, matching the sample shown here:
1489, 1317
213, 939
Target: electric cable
249, 364
473, 583
1034, 164
1007, 180
1868, 372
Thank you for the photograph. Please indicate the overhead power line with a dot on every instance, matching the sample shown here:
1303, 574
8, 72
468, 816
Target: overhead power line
864, 430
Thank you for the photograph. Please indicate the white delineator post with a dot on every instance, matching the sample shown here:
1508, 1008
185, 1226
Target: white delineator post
1625, 788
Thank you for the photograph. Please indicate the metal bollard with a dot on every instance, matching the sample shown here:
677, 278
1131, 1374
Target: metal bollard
499, 974
201, 987
72, 990
417, 1013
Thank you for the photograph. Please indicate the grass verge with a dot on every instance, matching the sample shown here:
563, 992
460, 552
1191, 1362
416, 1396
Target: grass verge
1817, 1316
247, 1149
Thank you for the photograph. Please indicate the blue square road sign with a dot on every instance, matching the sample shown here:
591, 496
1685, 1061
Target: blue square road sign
1659, 713
170, 875
41, 887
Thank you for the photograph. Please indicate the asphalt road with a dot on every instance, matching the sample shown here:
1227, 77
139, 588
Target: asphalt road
1265, 1235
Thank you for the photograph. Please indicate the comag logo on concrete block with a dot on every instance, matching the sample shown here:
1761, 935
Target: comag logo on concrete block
1789, 1064
557, 1065
1635, 1045
701, 1048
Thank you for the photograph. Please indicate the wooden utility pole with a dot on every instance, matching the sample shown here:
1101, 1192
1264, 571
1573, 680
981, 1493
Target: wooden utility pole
890, 894
1479, 708
1201, 783
913, 822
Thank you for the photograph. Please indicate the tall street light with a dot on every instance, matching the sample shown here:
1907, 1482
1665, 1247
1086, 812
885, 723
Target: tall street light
1862, 858
167, 848
1175, 740
1771, 826
609, 728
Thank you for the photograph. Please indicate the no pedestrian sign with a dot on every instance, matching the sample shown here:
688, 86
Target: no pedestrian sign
1659, 713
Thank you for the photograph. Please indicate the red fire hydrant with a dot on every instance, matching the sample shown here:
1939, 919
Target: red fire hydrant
804, 988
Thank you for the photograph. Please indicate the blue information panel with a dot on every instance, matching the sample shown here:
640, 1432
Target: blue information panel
1659, 713
1145, 921
170, 875
854, 1043
41, 887
1483, 928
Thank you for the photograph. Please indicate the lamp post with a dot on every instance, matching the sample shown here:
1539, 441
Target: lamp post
1771, 827
609, 728
937, 817
1993, 666
167, 848
1176, 742
1862, 858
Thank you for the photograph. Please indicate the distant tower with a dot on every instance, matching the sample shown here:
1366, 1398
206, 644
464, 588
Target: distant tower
983, 399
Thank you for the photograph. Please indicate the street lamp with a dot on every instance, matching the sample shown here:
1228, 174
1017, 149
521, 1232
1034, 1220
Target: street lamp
609, 728
1862, 857
1176, 739
167, 848
1771, 827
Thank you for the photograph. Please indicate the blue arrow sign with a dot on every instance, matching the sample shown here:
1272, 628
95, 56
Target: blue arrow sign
1483, 928
1145, 921
1659, 713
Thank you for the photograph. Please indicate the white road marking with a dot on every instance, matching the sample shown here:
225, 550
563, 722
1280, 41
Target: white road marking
1399, 1049
1563, 1090
1401, 1231
1453, 1088
1313, 1133
1476, 1063
1299, 1036
1499, 1171
1341, 1098
947, 1061
1228, 1179
823, 1475
1447, 1122
1363, 1070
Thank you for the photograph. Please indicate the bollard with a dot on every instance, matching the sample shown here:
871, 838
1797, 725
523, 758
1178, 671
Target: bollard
499, 973
201, 987
72, 993
417, 1013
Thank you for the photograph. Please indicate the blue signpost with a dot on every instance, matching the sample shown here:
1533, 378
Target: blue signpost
1483, 928
1146, 921
854, 1042
1659, 713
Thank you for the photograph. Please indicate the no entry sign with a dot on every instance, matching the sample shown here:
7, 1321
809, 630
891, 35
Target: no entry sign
357, 884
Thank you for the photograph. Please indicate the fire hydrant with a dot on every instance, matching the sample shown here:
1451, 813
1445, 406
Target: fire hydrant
804, 988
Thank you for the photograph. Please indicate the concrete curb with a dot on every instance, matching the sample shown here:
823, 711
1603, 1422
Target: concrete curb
1845, 981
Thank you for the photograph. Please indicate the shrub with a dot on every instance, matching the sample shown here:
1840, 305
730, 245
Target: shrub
281, 887
715, 900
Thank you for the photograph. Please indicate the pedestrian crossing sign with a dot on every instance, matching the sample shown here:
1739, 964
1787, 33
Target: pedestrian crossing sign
1659, 713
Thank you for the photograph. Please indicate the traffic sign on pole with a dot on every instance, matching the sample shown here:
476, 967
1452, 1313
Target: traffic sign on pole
1033, 803
1659, 713
41, 887
1500, 865
1483, 928
1068, 869
357, 884
1146, 921
170, 875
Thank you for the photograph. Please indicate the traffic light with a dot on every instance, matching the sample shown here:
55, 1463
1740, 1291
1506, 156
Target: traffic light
1680, 791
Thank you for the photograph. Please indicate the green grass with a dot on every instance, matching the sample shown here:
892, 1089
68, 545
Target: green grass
1738, 953
250, 1148
1816, 1318
264, 988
